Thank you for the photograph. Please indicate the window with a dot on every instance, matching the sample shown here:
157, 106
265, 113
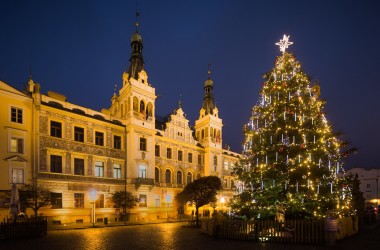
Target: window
142, 200
16, 115
189, 178
215, 160
226, 165
56, 200
232, 184
56, 163
157, 150
56, 129
179, 155
17, 145
79, 134
142, 171
99, 203
99, 138
99, 169
169, 153
168, 176
368, 185
79, 200
17, 175
190, 157
117, 171
179, 177
116, 142
200, 159
156, 175
142, 144
78, 166
225, 183
198, 176
157, 200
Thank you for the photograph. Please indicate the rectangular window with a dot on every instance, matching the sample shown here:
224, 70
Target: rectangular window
368, 185
225, 183
56, 163
200, 159
79, 200
142, 144
79, 134
17, 175
169, 153
99, 169
142, 200
17, 145
56, 129
157, 150
99, 138
56, 200
142, 171
190, 157
99, 203
215, 160
16, 115
226, 165
179, 155
116, 171
157, 200
116, 142
78, 166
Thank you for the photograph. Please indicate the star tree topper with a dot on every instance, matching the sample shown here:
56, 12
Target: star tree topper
284, 43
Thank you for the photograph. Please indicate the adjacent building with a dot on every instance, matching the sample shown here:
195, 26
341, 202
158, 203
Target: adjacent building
369, 184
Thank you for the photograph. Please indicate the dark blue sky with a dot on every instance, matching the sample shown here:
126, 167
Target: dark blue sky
80, 48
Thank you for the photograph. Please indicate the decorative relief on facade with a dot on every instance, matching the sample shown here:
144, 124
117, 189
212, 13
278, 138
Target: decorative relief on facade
43, 154
50, 114
68, 130
48, 142
86, 187
89, 164
109, 168
90, 135
116, 154
68, 163
43, 124
109, 138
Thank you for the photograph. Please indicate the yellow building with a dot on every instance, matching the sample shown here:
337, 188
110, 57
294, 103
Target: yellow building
77, 150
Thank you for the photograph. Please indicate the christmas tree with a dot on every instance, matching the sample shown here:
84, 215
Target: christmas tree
292, 160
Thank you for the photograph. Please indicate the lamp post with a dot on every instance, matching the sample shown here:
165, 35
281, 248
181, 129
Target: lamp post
168, 199
222, 200
93, 196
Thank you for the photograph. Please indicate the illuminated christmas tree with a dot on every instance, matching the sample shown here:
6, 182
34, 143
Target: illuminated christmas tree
291, 158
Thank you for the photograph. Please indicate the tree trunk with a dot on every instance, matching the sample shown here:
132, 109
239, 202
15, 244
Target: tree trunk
197, 216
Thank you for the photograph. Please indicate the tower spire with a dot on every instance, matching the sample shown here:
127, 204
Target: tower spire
208, 99
136, 59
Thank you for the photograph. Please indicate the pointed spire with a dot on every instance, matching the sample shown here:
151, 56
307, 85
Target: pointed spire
136, 59
208, 99
179, 102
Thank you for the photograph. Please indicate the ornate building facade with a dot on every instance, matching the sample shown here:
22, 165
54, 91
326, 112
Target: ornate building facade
73, 150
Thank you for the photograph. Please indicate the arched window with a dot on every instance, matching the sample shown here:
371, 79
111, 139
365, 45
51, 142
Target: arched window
156, 174
168, 176
198, 176
203, 133
179, 177
135, 104
189, 178
142, 106
149, 110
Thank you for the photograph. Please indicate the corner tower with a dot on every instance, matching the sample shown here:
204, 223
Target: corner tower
208, 130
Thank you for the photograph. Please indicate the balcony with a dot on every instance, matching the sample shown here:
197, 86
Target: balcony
142, 181
80, 178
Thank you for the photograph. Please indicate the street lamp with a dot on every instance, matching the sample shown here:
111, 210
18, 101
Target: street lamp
222, 200
93, 197
168, 199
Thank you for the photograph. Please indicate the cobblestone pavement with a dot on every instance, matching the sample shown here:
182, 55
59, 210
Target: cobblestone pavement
167, 236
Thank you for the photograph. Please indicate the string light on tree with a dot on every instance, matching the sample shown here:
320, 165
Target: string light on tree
300, 174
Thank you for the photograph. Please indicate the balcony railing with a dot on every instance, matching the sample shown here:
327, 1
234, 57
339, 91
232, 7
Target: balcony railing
143, 181
80, 178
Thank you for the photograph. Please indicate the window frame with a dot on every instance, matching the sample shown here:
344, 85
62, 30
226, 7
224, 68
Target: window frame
78, 200
16, 115
180, 155
169, 153
157, 150
53, 200
78, 135
99, 138
99, 169
56, 163
143, 144
56, 129
19, 145
190, 157
117, 142
117, 171
77, 160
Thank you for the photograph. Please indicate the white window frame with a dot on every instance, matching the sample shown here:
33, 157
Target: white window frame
99, 169
117, 171
142, 171
18, 109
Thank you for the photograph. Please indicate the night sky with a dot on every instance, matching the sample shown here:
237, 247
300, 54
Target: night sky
80, 49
